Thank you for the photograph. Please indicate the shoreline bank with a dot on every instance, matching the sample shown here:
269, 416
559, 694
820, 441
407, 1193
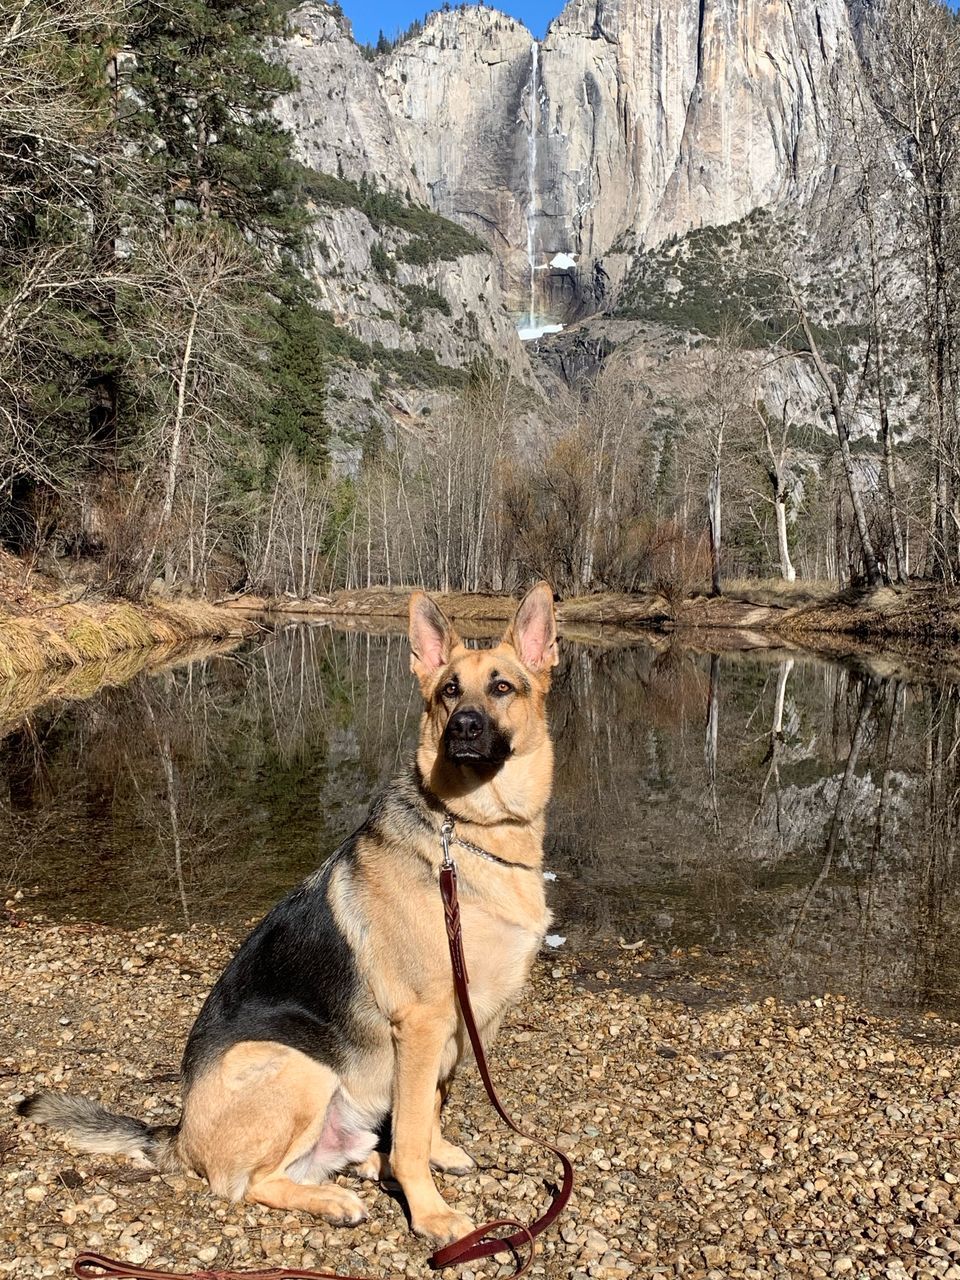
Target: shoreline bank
918, 611
43, 636
24, 694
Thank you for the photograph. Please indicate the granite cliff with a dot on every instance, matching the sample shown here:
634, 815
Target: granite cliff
631, 122
548, 168
414, 300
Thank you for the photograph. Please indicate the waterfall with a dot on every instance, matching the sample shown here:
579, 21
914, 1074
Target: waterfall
532, 174
536, 324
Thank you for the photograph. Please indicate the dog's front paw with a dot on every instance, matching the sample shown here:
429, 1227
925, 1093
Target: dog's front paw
450, 1159
443, 1226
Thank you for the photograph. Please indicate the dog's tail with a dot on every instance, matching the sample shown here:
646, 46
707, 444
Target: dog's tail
92, 1127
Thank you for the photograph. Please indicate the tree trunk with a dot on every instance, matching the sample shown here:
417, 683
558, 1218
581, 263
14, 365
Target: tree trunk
780, 495
886, 434
176, 444
878, 326
713, 519
838, 538
890, 478
787, 571
711, 737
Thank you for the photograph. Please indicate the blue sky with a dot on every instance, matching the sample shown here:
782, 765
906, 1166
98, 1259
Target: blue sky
370, 16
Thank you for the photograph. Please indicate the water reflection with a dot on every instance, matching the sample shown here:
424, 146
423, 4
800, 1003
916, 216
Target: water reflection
795, 810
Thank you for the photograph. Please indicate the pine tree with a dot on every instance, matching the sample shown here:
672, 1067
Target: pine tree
205, 91
295, 417
59, 171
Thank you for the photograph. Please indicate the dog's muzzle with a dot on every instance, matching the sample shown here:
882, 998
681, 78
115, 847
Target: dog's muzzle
471, 737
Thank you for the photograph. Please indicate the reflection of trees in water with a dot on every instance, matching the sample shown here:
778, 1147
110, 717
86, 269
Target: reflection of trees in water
711, 742
868, 693
771, 779
802, 808
207, 791
876, 907
936, 931
830, 845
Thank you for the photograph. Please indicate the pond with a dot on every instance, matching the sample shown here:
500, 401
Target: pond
788, 821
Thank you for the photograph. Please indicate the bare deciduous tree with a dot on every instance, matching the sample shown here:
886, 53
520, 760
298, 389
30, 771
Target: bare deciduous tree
56, 160
714, 411
917, 94
288, 552
198, 354
776, 451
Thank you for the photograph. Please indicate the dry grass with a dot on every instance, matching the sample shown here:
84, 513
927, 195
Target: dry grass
916, 611
776, 592
379, 602
920, 611
646, 609
38, 636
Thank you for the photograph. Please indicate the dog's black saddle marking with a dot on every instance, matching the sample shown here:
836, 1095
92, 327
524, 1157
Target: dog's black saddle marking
294, 980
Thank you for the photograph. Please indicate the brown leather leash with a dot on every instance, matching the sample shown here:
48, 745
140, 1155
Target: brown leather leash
481, 1243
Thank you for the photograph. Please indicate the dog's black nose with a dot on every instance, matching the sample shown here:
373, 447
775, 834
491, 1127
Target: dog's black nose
466, 725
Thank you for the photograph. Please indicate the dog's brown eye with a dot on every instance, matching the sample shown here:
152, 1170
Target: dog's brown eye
450, 689
502, 687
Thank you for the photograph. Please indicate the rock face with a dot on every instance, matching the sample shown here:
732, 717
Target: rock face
632, 122
339, 117
420, 300
461, 94
635, 120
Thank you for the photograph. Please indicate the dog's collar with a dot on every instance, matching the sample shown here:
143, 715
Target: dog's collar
448, 829
448, 836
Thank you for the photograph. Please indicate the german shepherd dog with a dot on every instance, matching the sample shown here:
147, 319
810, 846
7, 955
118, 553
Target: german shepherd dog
338, 1013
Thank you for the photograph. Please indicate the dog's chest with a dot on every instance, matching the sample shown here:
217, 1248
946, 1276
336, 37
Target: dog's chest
499, 954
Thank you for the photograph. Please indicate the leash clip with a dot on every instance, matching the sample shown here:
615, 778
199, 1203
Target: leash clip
447, 829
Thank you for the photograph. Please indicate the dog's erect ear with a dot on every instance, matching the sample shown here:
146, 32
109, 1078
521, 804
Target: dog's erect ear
533, 631
432, 638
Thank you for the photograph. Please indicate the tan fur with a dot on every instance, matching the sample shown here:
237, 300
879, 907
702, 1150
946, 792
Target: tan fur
253, 1116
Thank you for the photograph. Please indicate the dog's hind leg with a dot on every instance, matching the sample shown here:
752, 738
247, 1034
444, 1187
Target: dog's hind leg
376, 1167
301, 1182
265, 1123
337, 1204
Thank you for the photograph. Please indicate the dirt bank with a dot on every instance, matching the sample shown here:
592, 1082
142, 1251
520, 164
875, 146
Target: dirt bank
44, 627
718, 1138
916, 611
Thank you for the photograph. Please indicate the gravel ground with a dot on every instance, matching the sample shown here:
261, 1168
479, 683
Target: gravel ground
734, 1138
